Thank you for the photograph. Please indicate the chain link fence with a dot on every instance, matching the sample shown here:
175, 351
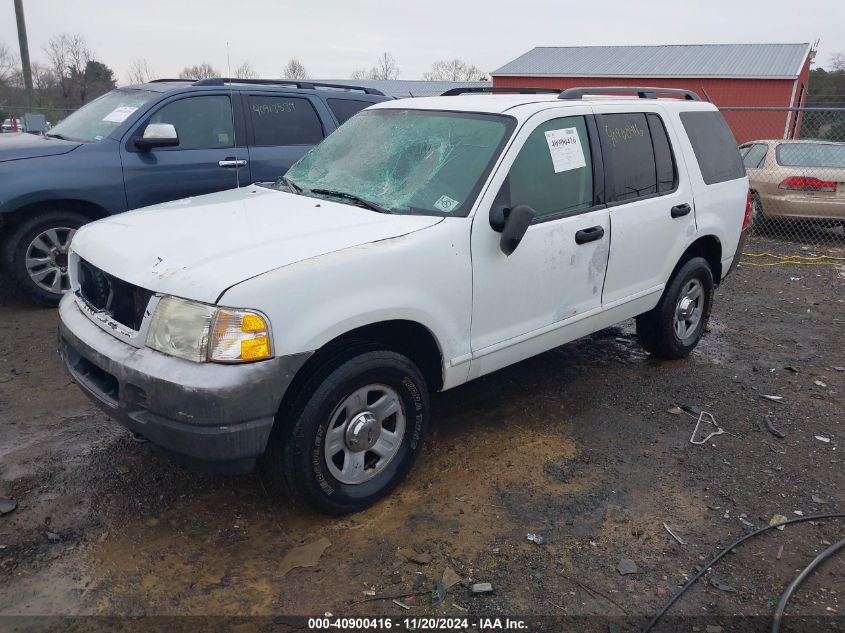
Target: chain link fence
795, 159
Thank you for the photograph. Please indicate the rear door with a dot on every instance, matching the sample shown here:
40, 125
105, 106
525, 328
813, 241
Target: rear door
281, 128
211, 155
651, 208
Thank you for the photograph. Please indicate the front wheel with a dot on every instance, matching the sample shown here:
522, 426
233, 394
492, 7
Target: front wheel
37, 254
675, 326
356, 430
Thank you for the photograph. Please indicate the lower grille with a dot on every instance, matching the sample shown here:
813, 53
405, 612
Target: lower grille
126, 303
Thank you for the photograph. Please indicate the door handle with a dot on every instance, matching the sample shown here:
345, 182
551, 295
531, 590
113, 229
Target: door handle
589, 235
680, 210
231, 162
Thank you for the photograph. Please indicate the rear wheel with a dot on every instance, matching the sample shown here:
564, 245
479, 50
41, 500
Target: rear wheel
757, 218
675, 326
355, 431
37, 254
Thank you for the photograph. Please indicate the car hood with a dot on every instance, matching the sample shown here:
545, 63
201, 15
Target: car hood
198, 247
18, 146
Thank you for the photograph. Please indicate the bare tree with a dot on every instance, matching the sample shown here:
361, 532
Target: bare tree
140, 72
837, 62
360, 73
454, 70
201, 71
68, 54
294, 69
45, 82
385, 68
8, 63
246, 71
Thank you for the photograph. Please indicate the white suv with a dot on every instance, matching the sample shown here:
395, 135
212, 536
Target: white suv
425, 243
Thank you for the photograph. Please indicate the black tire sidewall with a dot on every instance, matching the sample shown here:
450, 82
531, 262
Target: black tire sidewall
308, 476
695, 268
19, 242
756, 209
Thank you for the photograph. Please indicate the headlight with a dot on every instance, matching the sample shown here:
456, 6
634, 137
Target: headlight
200, 332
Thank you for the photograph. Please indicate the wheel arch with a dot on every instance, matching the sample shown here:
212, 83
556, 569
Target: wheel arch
409, 338
710, 248
91, 210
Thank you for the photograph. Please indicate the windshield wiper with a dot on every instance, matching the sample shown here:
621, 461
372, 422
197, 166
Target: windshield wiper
58, 136
351, 196
291, 184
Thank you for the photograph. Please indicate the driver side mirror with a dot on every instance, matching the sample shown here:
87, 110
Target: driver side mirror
512, 224
158, 135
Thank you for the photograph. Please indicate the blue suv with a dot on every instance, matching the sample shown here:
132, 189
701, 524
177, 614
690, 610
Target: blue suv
151, 143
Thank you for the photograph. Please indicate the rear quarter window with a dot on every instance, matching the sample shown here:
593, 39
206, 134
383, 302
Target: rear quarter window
345, 109
714, 146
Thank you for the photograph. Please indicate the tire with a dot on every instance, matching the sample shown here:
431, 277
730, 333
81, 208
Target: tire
659, 330
43, 237
361, 469
758, 218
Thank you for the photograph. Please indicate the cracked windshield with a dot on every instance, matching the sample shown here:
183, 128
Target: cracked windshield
406, 161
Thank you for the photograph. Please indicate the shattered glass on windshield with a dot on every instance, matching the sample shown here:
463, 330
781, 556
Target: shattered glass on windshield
412, 161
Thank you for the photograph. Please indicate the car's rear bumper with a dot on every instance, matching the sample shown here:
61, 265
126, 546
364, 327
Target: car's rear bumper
204, 411
802, 206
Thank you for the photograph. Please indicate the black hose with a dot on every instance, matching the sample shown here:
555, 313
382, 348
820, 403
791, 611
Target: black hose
718, 557
818, 560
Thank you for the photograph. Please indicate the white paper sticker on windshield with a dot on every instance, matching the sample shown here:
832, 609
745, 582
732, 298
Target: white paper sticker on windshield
446, 204
119, 114
565, 148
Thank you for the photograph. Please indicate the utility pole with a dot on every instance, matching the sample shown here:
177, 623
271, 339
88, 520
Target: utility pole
22, 41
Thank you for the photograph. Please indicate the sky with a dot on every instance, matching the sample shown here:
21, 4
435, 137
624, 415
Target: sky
334, 37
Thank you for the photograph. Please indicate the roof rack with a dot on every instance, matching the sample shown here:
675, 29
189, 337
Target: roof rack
303, 85
162, 81
642, 93
485, 89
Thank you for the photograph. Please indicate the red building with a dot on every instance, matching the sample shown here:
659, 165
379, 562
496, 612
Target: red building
729, 75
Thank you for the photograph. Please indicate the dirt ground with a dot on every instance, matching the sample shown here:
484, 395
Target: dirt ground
577, 444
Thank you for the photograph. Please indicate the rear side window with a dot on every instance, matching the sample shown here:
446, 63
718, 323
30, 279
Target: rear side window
284, 121
629, 156
714, 146
811, 155
753, 156
552, 189
344, 109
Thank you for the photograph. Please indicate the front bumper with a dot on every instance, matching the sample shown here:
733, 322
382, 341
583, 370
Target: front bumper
204, 411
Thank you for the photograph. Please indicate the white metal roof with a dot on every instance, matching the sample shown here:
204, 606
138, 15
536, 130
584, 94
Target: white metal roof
523, 106
746, 61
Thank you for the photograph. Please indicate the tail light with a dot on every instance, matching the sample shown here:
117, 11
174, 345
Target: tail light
746, 221
807, 183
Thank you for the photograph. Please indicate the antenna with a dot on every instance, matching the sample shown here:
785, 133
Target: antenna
232, 111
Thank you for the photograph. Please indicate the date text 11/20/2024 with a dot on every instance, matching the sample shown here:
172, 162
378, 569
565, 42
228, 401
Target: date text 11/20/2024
416, 624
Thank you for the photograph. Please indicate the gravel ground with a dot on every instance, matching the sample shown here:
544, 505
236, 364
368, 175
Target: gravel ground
580, 445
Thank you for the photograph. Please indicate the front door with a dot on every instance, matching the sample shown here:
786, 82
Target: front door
543, 294
208, 158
